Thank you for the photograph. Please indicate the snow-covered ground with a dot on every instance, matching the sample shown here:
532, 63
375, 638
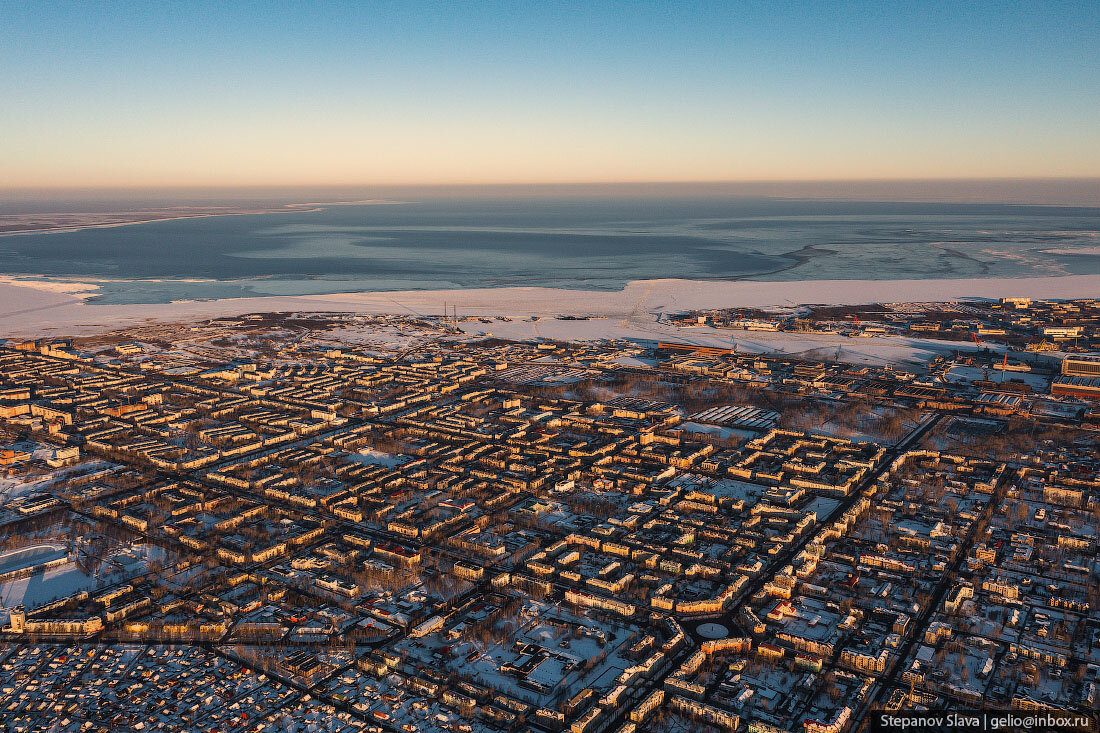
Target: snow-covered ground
563, 672
722, 432
16, 486
26, 557
39, 589
635, 361
64, 580
40, 307
377, 458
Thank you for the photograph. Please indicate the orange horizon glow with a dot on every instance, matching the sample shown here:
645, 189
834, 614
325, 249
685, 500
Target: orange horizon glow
230, 168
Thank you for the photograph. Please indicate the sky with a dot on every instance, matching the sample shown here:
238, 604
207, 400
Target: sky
99, 94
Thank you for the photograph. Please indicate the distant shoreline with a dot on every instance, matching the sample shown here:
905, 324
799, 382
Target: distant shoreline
48, 223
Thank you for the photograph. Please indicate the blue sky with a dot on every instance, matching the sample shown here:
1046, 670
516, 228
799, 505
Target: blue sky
306, 93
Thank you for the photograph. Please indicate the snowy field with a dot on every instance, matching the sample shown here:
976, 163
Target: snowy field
64, 580
26, 557
371, 457
35, 307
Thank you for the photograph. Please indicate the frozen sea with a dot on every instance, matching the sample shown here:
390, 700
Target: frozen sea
588, 243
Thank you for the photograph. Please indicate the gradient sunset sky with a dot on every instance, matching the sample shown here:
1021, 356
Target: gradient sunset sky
238, 93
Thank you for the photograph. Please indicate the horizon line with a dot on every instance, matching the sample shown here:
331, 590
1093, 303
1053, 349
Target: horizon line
547, 184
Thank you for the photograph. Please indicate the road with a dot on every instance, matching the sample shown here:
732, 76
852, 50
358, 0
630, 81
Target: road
887, 682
